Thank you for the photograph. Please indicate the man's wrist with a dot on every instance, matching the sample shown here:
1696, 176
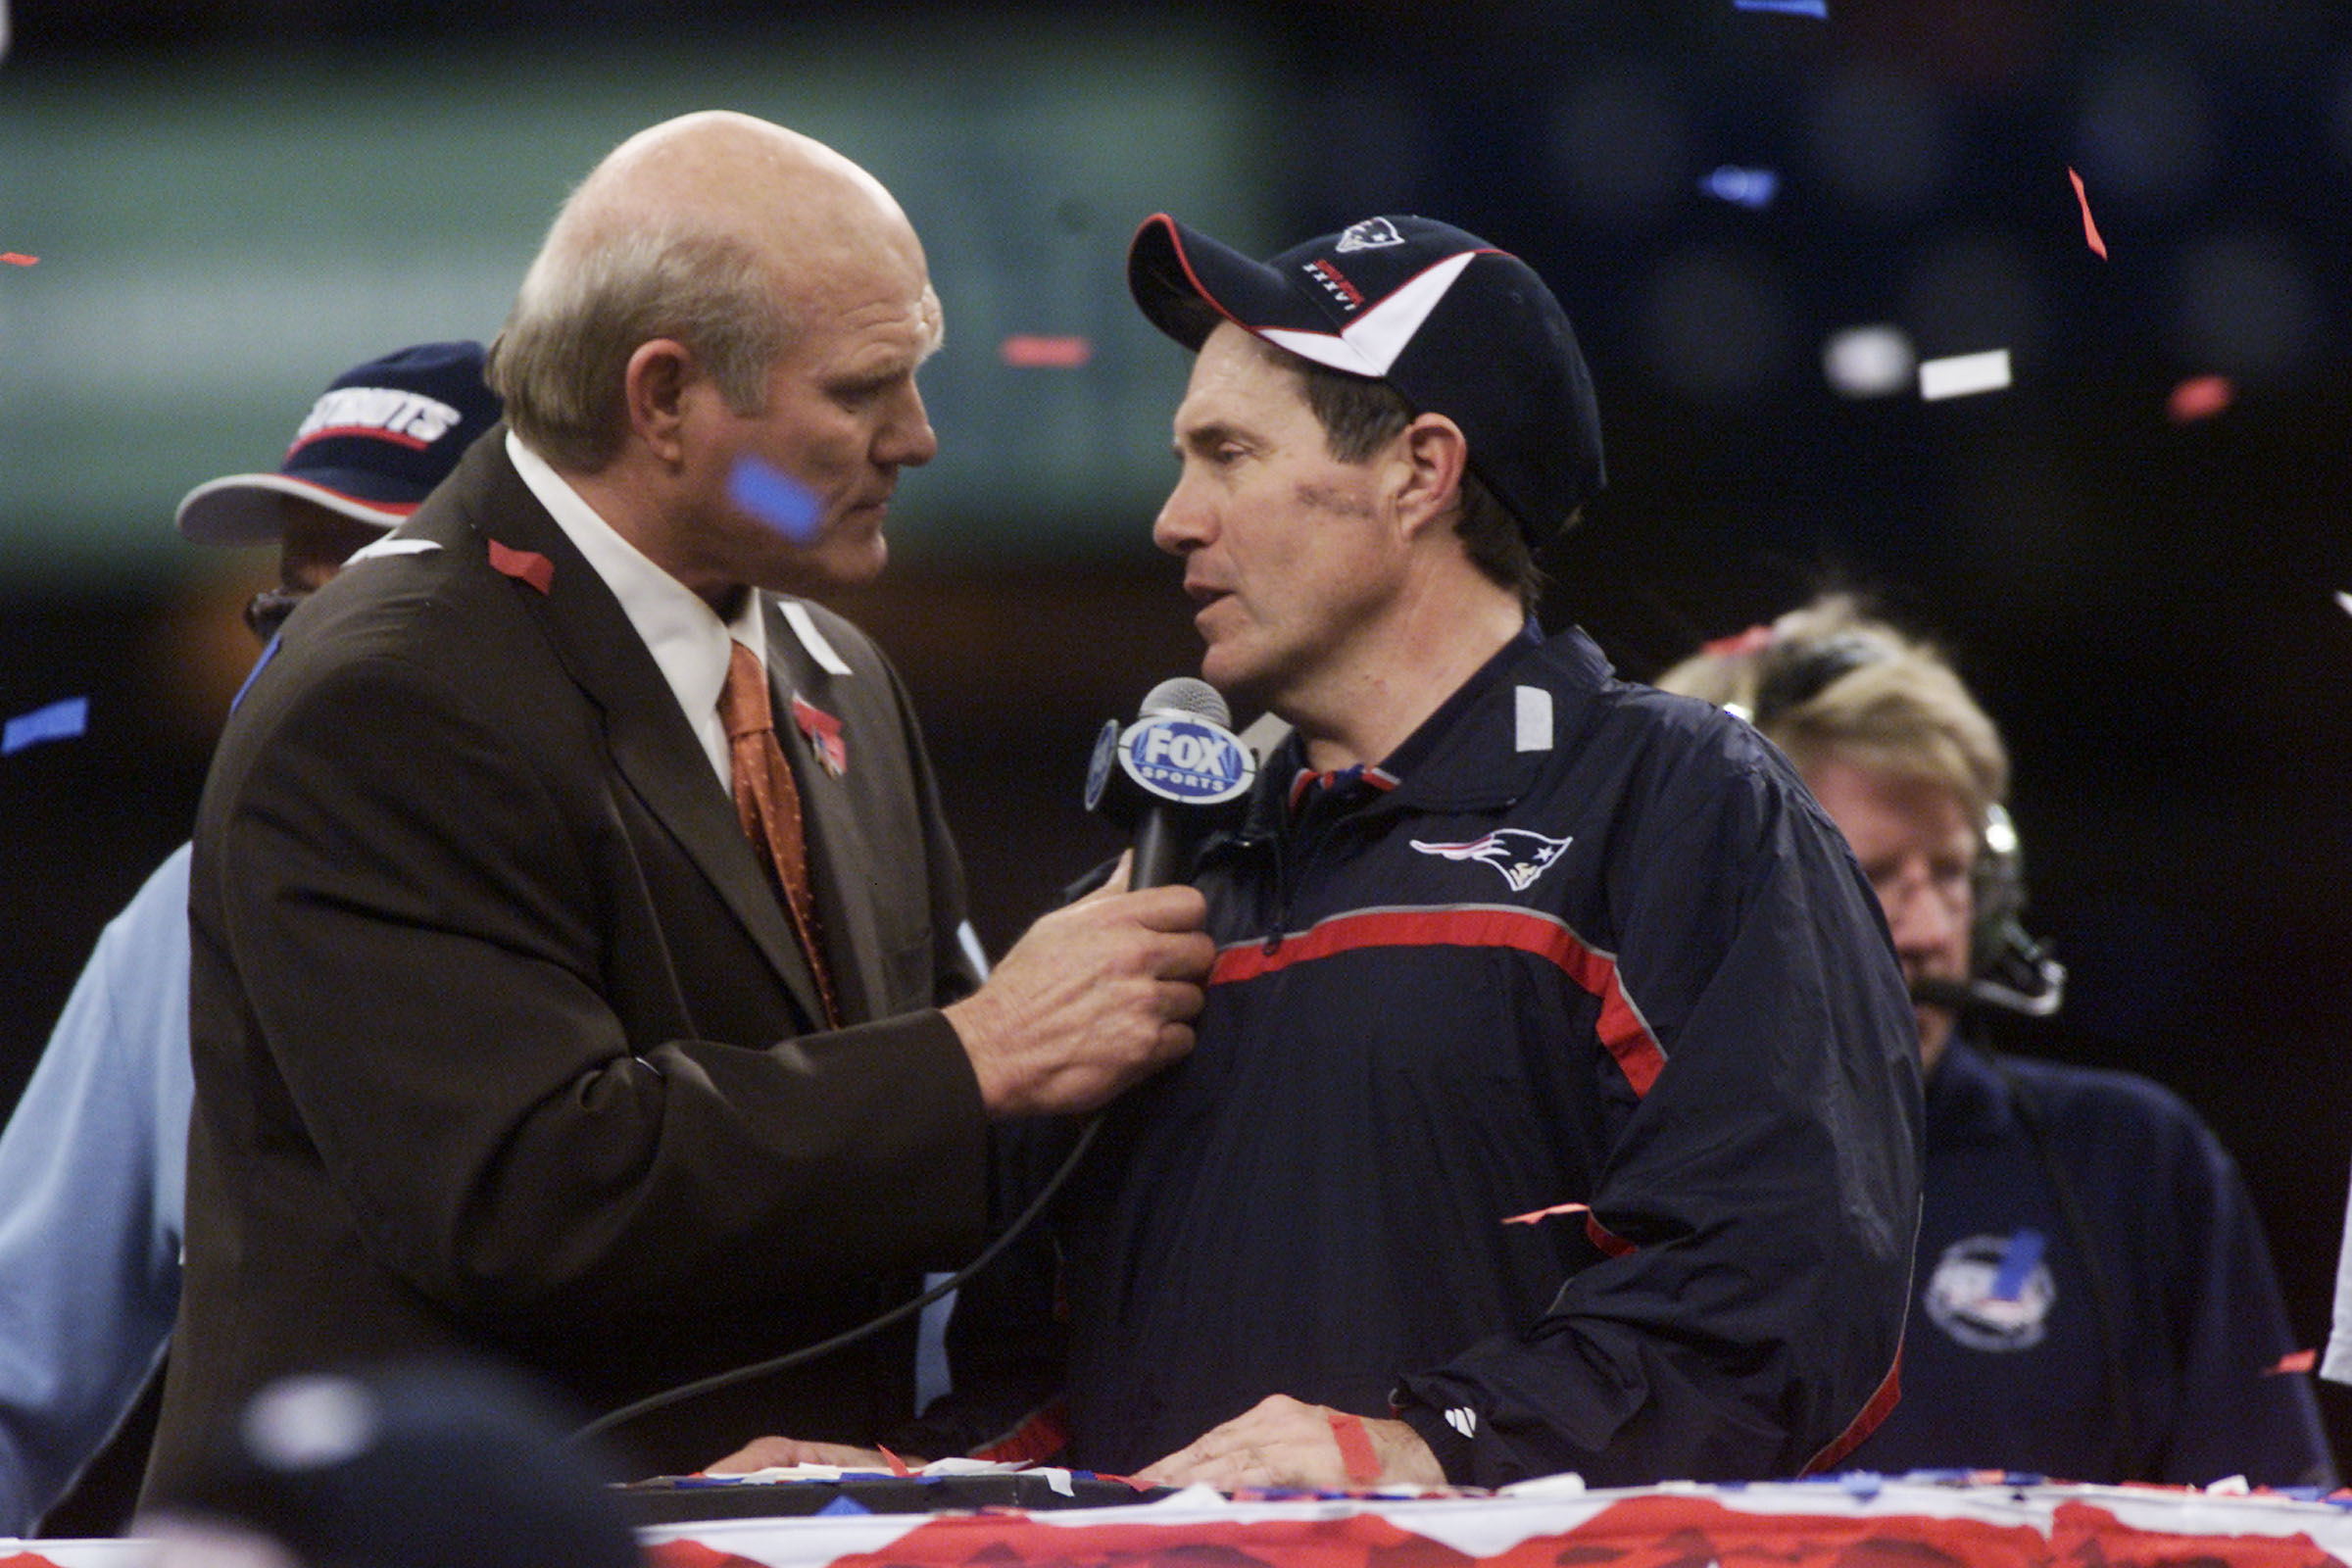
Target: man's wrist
1456, 1454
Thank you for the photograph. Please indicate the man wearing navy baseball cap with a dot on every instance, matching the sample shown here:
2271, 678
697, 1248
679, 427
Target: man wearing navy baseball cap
93, 1158
371, 449
1554, 1106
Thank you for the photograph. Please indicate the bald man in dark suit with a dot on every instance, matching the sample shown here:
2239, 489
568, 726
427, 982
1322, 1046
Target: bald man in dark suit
513, 1034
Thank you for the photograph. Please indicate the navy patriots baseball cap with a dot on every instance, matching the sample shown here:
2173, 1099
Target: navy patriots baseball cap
1455, 325
375, 443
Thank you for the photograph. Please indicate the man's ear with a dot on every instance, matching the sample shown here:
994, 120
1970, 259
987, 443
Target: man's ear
1430, 456
655, 390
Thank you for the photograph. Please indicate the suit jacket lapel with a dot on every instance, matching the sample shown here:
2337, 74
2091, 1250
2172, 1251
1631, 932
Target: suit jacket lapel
830, 824
653, 747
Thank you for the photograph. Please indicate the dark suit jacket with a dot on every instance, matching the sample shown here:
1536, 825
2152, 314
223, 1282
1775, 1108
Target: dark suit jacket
503, 1041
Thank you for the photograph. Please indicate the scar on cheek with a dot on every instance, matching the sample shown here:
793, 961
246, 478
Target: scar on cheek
1347, 503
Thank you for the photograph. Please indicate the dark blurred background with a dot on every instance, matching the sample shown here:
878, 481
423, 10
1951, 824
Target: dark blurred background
231, 202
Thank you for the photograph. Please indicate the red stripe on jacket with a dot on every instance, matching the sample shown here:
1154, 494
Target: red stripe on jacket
1621, 1028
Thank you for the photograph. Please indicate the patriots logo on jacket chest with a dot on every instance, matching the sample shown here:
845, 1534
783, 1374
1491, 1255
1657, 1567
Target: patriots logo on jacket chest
1520, 854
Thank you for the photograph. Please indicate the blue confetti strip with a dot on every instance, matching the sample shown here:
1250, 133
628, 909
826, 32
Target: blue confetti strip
1739, 186
59, 721
268, 652
2017, 1263
1794, 8
1751, 188
775, 498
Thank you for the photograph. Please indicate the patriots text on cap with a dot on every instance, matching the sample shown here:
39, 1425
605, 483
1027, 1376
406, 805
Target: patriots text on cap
373, 447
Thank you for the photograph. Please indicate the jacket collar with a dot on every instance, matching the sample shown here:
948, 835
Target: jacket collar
493, 514
1485, 745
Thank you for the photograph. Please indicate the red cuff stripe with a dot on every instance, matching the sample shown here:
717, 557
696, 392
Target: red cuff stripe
1880, 1406
1042, 1434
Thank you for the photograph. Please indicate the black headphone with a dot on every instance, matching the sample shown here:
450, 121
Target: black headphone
2011, 971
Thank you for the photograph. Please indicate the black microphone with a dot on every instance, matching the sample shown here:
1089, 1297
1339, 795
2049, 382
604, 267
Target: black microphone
1170, 776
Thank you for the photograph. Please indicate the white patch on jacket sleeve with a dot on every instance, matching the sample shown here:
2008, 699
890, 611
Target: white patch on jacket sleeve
1535, 719
389, 546
804, 626
1461, 1417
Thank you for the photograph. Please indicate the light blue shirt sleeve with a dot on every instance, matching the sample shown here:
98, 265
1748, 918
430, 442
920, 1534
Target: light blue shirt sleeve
2336, 1365
93, 1169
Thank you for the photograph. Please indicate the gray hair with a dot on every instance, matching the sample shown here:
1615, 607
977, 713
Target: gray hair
590, 301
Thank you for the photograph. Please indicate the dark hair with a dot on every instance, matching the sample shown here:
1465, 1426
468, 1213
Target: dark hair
1360, 416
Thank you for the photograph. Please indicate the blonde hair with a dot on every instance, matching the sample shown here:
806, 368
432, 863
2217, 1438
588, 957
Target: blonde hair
1828, 681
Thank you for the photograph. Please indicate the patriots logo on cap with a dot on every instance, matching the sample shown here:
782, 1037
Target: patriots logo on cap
1519, 855
1369, 234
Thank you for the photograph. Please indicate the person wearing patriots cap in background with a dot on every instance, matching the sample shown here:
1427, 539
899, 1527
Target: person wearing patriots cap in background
1555, 1106
92, 1161
369, 451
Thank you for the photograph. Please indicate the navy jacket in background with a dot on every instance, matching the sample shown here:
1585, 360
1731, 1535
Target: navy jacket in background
2009, 1365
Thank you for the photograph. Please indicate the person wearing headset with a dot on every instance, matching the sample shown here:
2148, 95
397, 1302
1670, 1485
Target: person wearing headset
2096, 1299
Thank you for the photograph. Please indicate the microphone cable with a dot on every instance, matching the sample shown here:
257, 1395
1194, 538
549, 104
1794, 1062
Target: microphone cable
872, 1326
1182, 697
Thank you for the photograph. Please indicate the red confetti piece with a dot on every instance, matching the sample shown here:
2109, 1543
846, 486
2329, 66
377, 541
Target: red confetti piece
1740, 643
898, 1466
1534, 1216
2090, 230
523, 565
18, 259
1355, 1447
1027, 351
2293, 1361
2200, 397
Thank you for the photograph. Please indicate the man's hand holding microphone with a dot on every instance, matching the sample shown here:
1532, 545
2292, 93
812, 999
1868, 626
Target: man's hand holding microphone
1101, 993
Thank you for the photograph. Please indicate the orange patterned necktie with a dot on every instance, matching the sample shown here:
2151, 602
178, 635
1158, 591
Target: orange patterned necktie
768, 802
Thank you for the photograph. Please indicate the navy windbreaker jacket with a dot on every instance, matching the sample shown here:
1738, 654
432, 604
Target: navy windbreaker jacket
1576, 943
